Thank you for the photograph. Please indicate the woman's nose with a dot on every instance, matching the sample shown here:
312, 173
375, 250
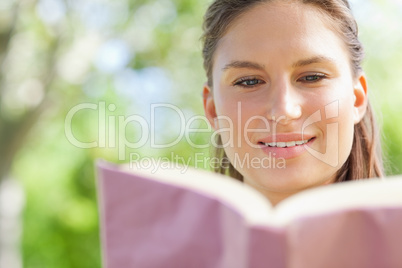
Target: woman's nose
283, 103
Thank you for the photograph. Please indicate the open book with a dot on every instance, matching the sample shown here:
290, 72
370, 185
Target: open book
199, 219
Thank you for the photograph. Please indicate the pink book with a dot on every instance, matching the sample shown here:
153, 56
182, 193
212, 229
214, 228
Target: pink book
177, 217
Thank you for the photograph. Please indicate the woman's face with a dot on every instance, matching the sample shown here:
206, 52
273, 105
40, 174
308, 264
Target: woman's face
284, 99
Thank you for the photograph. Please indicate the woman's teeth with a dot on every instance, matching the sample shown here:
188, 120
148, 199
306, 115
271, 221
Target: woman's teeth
286, 144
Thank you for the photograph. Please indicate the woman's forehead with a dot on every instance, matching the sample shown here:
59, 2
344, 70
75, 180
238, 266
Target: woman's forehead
299, 16
287, 31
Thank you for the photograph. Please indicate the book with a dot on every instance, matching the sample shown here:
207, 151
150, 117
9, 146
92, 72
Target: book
169, 218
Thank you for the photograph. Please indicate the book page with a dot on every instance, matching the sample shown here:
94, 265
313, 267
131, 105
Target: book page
369, 193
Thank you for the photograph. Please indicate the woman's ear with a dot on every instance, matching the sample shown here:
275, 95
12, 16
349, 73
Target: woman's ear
360, 94
209, 105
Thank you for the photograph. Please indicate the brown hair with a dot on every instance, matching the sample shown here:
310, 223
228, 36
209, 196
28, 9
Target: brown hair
365, 159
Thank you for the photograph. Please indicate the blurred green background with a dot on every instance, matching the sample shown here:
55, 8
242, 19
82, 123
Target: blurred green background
115, 58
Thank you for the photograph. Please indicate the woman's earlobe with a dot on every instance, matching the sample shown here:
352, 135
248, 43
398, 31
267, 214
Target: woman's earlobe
209, 105
360, 98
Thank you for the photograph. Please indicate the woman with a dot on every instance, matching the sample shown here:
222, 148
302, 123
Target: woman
285, 86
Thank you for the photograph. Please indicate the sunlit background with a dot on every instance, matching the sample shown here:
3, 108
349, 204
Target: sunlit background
73, 71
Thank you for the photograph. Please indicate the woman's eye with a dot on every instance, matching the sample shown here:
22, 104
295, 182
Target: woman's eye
312, 78
248, 82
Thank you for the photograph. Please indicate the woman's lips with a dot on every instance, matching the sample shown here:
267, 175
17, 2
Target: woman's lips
286, 137
286, 147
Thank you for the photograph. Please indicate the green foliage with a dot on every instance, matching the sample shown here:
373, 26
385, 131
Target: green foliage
55, 64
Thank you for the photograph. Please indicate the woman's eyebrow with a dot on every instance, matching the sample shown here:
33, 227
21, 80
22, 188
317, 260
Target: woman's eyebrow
243, 64
312, 60
257, 66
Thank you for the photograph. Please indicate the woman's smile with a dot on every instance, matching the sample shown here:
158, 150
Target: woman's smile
286, 145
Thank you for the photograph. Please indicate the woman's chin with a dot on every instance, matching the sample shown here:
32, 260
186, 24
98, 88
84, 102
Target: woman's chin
291, 179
